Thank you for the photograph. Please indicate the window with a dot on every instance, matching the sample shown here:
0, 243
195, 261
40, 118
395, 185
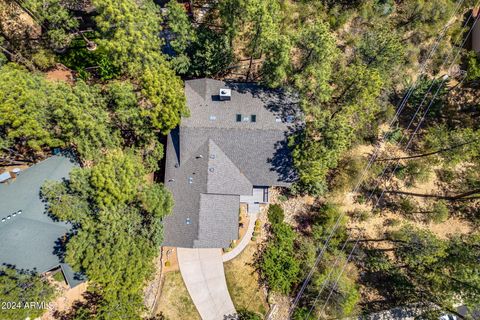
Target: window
253, 118
239, 117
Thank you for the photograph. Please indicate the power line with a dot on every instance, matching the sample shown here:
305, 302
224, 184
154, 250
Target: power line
377, 148
337, 259
444, 78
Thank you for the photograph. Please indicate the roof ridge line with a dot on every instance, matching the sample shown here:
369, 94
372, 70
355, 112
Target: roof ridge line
226, 156
232, 128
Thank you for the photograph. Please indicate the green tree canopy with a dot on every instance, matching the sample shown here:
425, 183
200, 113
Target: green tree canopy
57, 21
182, 35
131, 36
22, 288
117, 218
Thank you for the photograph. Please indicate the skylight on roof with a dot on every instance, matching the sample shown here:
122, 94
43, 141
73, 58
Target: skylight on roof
239, 117
253, 118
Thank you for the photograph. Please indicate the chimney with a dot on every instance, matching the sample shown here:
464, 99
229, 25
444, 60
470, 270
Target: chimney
225, 94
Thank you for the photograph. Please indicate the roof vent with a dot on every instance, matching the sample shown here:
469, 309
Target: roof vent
225, 94
212, 156
211, 169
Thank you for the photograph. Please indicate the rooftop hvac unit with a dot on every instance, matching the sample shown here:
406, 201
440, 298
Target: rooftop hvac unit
225, 94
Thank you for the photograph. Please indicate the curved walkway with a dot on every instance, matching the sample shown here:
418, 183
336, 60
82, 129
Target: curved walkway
204, 277
244, 242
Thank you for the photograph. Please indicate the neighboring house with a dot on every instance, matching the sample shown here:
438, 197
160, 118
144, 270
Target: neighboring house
230, 150
30, 239
476, 32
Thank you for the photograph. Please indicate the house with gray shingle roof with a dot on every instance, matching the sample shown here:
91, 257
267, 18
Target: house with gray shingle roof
30, 239
230, 150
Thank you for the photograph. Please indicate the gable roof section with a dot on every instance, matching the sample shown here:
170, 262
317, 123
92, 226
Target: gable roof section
223, 176
28, 241
218, 223
204, 202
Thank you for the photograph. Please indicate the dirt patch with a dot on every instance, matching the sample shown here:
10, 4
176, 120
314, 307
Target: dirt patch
280, 307
175, 302
244, 221
60, 73
66, 298
293, 206
169, 260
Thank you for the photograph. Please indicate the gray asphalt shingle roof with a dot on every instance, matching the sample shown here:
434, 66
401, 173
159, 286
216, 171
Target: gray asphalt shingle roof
30, 240
212, 159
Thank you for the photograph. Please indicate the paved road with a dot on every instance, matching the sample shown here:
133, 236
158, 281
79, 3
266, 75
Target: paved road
203, 274
244, 242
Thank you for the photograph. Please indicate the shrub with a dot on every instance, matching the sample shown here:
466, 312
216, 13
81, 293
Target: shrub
439, 212
394, 136
255, 234
446, 175
282, 198
361, 215
407, 206
254, 238
473, 70
43, 59
275, 214
392, 222
279, 266
361, 199
258, 223
244, 314
348, 174
168, 263
416, 171
58, 276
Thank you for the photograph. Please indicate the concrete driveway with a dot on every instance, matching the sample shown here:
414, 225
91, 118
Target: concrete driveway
204, 277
